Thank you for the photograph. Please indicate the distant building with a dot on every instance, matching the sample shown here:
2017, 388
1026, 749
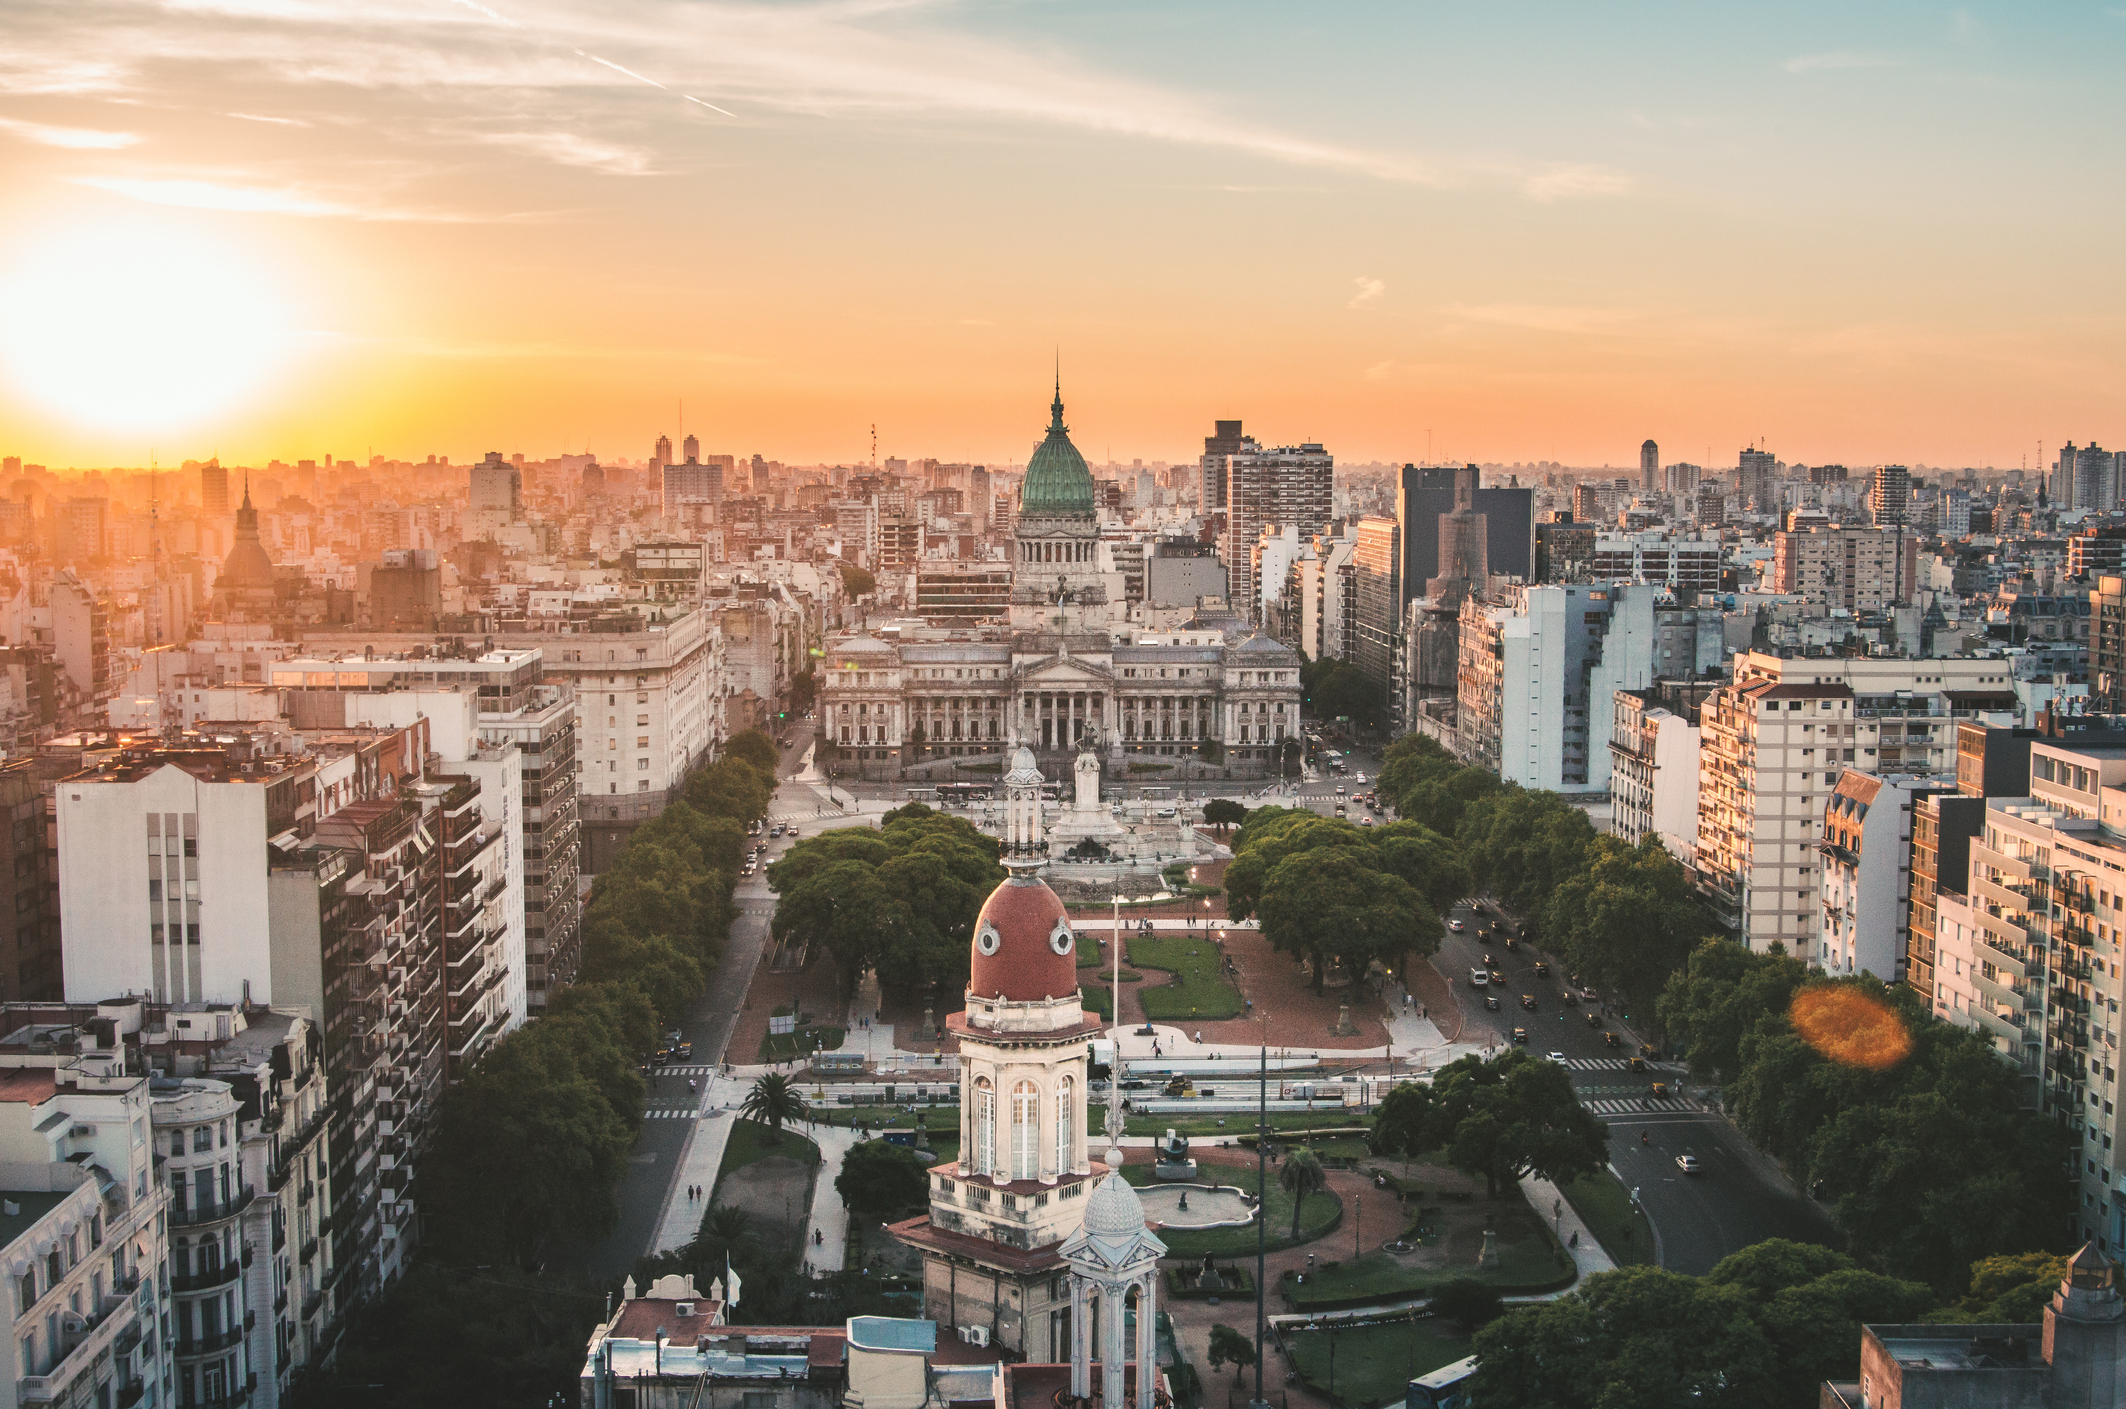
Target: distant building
1291, 487
1565, 550
1755, 475
1376, 629
1859, 569
1650, 467
1890, 496
496, 499
1211, 469
213, 488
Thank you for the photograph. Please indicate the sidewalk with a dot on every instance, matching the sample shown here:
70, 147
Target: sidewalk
829, 1222
698, 1164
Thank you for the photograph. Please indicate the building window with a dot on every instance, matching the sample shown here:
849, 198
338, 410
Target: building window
985, 1127
1066, 1134
1025, 1132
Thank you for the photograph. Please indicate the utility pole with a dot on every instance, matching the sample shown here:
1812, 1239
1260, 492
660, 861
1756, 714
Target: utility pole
1262, 1205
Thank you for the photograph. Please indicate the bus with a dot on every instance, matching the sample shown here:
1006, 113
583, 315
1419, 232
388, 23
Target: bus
1442, 1389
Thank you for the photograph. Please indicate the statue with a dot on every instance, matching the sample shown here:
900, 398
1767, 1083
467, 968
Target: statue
1208, 1279
1184, 1201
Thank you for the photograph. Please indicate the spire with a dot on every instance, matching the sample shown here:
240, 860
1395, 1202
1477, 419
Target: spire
247, 489
1055, 421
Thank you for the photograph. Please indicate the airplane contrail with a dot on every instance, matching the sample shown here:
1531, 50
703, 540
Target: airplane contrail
653, 83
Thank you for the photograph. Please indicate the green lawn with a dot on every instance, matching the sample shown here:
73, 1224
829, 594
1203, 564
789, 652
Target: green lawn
789, 1046
1374, 1364
1525, 1261
1198, 991
749, 1142
938, 1120
1096, 1000
1320, 1214
1604, 1205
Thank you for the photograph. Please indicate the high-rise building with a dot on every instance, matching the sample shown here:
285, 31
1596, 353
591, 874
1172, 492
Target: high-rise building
1211, 469
1650, 467
1859, 569
662, 454
1290, 487
1681, 477
1376, 630
1754, 477
213, 488
1684, 564
690, 449
1564, 550
1890, 496
1587, 503
691, 483
1423, 494
1653, 773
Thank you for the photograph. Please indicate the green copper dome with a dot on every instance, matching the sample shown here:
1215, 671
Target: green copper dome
1058, 483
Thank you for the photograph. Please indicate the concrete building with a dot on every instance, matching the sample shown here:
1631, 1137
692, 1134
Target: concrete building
1180, 572
962, 592
1681, 564
495, 499
1291, 487
692, 482
1424, 493
1865, 885
1890, 496
1532, 672
1861, 570
1653, 774
1211, 480
1376, 636
1650, 467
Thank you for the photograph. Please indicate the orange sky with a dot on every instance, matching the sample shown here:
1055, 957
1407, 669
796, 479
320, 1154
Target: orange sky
283, 228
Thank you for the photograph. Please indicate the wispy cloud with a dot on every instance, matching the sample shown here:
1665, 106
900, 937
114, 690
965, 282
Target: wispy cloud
570, 149
1840, 59
83, 138
276, 121
1368, 290
262, 200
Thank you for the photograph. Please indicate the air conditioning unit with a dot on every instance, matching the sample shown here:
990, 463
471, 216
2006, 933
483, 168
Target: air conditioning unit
978, 1335
684, 1308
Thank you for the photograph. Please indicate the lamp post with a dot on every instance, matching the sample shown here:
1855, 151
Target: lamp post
1262, 1194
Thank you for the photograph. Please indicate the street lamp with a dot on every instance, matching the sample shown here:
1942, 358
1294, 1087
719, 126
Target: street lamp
1262, 1194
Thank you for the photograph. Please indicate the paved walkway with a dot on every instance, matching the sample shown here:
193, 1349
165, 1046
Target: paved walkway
827, 1231
697, 1164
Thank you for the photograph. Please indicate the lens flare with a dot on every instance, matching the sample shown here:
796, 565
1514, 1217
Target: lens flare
137, 329
1850, 1027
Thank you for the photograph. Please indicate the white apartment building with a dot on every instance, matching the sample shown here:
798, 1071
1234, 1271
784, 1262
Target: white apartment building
1773, 746
1866, 881
1539, 676
1653, 774
1955, 996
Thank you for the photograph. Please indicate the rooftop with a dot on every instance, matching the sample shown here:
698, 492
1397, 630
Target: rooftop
22, 1209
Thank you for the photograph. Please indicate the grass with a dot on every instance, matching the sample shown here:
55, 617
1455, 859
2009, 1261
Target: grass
1374, 1364
1604, 1205
1199, 991
938, 1120
1527, 1259
749, 1142
1097, 1000
791, 1046
1322, 1212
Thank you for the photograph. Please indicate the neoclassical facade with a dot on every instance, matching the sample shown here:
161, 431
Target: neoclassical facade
1164, 693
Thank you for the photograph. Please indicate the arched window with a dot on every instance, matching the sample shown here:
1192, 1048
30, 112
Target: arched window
985, 1127
1025, 1132
1066, 1112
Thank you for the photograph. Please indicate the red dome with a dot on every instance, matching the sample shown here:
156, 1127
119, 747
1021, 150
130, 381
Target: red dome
1015, 945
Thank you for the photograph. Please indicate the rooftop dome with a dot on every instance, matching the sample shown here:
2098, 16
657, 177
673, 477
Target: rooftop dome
1025, 773
1114, 1213
247, 565
1023, 945
1058, 483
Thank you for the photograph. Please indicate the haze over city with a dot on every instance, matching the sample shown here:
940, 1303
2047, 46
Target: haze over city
292, 228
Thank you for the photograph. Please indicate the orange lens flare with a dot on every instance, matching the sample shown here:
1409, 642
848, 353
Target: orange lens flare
1850, 1028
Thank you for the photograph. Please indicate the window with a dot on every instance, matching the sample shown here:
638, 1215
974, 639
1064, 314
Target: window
1025, 1132
1066, 1149
985, 1127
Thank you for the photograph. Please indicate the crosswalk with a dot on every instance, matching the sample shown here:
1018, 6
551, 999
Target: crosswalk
684, 1113
684, 1071
1615, 1064
1633, 1106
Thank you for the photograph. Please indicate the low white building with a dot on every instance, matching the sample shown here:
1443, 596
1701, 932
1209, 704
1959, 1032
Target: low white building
1866, 849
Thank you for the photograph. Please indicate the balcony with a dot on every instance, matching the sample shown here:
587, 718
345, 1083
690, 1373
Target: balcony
309, 1250
214, 1277
87, 1340
213, 1212
234, 1399
130, 1391
211, 1345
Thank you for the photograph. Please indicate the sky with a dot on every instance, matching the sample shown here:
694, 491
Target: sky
1503, 232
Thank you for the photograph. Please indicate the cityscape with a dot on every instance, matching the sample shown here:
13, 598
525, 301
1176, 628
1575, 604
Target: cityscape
1058, 707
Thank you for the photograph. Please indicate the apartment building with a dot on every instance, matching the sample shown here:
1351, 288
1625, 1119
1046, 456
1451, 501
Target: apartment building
1858, 569
1682, 564
1291, 488
1653, 773
1538, 676
1865, 874
1375, 627
1775, 741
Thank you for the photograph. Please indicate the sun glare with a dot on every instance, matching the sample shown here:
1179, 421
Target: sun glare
1850, 1027
136, 330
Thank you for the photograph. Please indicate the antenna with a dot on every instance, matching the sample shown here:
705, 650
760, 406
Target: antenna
874, 445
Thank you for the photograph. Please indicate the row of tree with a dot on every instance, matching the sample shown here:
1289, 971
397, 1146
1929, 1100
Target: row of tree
1929, 1162
1511, 1116
901, 899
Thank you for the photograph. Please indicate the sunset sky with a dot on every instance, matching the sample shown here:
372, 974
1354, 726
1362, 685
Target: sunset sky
290, 228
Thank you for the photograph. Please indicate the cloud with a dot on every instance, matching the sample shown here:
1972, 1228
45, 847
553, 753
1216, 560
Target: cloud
570, 149
1380, 371
276, 121
262, 200
82, 138
1840, 59
1368, 290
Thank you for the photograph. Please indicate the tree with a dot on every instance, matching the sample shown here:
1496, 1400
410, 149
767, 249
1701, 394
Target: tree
1404, 1123
1467, 1301
1231, 1347
1331, 903
879, 1178
856, 582
726, 1237
1524, 844
755, 748
2012, 1289
1302, 1177
1224, 813
804, 689
1627, 920
773, 1101
1723, 994
1430, 862
1516, 1115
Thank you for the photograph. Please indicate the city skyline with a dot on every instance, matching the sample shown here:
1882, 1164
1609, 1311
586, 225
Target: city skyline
281, 230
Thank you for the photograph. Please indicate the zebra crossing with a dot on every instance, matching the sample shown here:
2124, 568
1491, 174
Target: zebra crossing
1615, 1064
1635, 1105
684, 1071
661, 1113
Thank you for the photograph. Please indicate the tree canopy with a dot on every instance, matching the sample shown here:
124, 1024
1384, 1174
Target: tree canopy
879, 1179
1626, 919
1514, 1115
1326, 889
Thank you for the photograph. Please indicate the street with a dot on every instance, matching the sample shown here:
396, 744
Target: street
1740, 1197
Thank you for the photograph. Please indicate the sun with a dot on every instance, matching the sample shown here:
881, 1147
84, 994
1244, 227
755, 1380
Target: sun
137, 329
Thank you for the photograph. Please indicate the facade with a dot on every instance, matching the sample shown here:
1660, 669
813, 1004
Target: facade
1290, 488
1890, 496
1861, 570
1161, 694
1653, 774
1376, 626
1865, 851
1532, 672
1181, 572
962, 592
2107, 644
1425, 494
1681, 564
1942, 827
495, 498
691, 482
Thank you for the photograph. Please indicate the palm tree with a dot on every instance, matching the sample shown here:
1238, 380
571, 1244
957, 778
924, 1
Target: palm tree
726, 1234
772, 1101
1302, 1175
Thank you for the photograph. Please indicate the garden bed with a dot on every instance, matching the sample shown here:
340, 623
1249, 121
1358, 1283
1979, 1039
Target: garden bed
1199, 991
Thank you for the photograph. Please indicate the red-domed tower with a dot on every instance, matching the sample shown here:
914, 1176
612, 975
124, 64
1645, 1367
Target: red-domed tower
997, 1216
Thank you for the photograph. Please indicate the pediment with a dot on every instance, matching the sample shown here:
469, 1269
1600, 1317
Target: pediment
1061, 672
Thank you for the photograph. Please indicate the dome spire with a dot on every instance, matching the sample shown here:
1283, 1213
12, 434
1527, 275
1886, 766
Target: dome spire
1055, 419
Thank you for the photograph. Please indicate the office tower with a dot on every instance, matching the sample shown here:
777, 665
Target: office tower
1211, 476
1890, 496
1564, 550
1587, 503
1464, 546
1290, 487
1538, 670
213, 488
1650, 467
1423, 494
1681, 477
1753, 481
662, 455
1376, 632
690, 449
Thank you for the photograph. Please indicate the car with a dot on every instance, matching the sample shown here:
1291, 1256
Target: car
1528, 1001
1365, 821
1638, 1064
1490, 963
1542, 970
1478, 978
1498, 978
1457, 926
1358, 778
1688, 1164
1594, 1019
776, 830
1646, 1049
1610, 1038
673, 1036
1165, 812
1520, 1034
1512, 943
1491, 1001
683, 1052
1571, 999
661, 1056
1660, 1089
1558, 1057
1339, 789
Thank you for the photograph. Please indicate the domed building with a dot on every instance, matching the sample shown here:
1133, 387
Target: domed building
1058, 556
245, 587
998, 1218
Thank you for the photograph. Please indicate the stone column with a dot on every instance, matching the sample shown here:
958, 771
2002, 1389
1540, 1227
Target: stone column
1081, 1339
1114, 1342
1147, 1338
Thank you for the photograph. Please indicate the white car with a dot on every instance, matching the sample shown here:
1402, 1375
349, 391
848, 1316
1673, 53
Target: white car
1457, 926
1558, 1057
1359, 778
1687, 1163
